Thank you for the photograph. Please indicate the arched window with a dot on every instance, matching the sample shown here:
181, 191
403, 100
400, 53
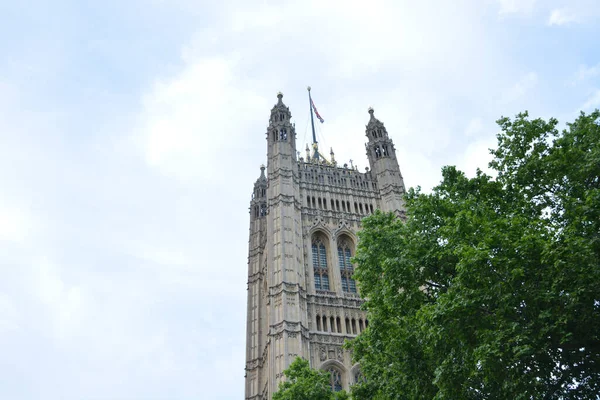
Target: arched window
346, 268
319, 258
336, 379
358, 376
318, 323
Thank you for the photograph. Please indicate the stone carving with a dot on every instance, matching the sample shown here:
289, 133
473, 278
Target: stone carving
340, 354
323, 353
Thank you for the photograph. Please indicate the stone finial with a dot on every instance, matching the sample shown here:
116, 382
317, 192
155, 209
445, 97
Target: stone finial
262, 170
279, 97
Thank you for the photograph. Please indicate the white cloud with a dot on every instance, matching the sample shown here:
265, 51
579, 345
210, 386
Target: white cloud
477, 155
585, 73
521, 88
561, 17
191, 124
474, 127
15, 224
592, 102
8, 315
516, 6
64, 302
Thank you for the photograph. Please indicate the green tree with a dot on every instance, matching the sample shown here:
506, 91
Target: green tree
490, 288
305, 383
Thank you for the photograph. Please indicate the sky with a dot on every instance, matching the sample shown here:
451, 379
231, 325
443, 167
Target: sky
131, 134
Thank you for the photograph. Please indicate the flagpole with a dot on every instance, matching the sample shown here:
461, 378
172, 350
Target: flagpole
312, 123
312, 120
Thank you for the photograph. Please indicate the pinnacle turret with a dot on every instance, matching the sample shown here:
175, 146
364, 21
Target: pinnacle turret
375, 129
259, 196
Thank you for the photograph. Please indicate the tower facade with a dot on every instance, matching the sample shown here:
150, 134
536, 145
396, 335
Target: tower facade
304, 216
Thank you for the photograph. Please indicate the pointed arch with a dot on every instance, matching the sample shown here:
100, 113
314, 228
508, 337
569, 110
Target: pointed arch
356, 375
337, 373
344, 231
319, 228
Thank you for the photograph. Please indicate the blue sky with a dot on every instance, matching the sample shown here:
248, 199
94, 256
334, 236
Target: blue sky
131, 134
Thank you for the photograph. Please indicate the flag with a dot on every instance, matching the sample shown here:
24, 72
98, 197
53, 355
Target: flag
316, 112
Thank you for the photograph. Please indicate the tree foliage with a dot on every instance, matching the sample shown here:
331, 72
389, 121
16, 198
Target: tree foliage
305, 383
490, 288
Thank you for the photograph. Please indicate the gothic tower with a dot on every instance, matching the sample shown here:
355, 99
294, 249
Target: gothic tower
304, 216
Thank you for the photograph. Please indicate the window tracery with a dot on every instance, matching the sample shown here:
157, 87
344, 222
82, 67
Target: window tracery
319, 259
346, 267
335, 379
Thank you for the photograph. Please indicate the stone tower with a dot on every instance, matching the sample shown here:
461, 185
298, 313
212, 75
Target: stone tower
304, 216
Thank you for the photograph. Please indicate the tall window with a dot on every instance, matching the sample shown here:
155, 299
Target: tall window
336, 379
358, 377
346, 268
319, 258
